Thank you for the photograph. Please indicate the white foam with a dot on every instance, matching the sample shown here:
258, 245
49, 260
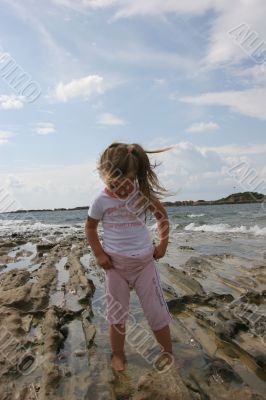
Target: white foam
195, 215
223, 228
7, 227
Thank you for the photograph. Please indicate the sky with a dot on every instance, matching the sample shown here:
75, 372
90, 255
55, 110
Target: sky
77, 75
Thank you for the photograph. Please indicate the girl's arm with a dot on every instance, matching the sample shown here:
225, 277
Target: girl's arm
162, 219
92, 236
93, 240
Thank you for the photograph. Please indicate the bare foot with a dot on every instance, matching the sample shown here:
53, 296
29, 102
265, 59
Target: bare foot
117, 362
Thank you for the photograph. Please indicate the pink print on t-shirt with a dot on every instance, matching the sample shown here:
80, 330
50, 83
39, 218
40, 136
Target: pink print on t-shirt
124, 227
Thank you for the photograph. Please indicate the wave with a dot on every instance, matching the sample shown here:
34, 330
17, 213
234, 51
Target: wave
8, 227
195, 215
223, 228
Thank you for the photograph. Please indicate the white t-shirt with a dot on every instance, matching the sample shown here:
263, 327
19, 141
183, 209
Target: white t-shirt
123, 231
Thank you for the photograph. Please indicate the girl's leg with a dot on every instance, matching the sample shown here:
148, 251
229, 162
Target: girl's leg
163, 336
117, 295
117, 333
149, 291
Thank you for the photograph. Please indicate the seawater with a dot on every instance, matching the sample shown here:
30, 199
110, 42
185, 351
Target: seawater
231, 228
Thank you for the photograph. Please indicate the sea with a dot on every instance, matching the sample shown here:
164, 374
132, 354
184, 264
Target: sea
238, 229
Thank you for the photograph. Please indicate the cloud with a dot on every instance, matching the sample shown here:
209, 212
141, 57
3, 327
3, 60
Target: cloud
110, 119
195, 172
226, 15
250, 102
44, 128
128, 8
147, 57
255, 75
49, 186
188, 171
203, 127
4, 136
83, 87
13, 182
223, 44
240, 150
11, 102
3, 55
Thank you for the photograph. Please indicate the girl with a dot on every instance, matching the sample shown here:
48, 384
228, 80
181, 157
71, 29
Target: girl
127, 253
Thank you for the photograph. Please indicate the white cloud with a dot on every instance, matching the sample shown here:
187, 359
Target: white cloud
203, 127
226, 16
110, 119
50, 186
83, 87
160, 82
223, 47
4, 136
44, 128
250, 102
147, 57
127, 8
13, 182
11, 102
255, 75
188, 171
195, 172
232, 149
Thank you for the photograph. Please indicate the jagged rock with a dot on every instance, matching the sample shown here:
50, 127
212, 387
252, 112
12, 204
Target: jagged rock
14, 278
186, 248
162, 386
43, 247
2, 267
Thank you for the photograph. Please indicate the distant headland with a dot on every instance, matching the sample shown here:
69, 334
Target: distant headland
235, 198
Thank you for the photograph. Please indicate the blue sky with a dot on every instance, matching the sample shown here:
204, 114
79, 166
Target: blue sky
151, 72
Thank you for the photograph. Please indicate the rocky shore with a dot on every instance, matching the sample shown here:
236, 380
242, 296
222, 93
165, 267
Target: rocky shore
54, 337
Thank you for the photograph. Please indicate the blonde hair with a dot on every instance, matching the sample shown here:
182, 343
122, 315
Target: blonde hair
131, 161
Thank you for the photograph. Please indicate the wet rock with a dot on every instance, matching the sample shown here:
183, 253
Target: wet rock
212, 299
89, 332
254, 297
43, 247
157, 386
198, 266
186, 248
14, 278
79, 353
67, 373
78, 283
222, 369
2, 267
64, 330
218, 380
180, 278
5, 259
229, 329
8, 244
53, 341
29, 296
207, 317
24, 253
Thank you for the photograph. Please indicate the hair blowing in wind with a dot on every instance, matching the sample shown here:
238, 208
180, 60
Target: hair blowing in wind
131, 161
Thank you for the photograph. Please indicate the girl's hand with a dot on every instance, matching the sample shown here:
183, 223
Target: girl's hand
104, 261
159, 251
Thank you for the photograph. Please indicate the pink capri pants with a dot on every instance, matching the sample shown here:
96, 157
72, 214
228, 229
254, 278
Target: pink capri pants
138, 272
